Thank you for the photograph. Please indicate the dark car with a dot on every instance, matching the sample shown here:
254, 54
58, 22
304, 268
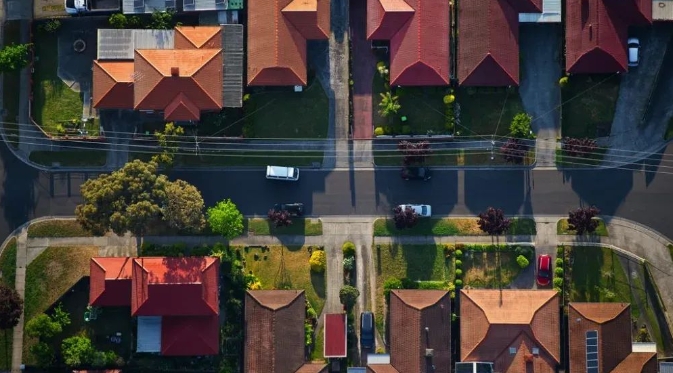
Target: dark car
543, 270
294, 209
367, 330
416, 173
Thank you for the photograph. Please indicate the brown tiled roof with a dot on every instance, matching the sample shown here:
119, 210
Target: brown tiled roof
192, 77
198, 37
612, 322
311, 22
113, 84
386, 17
381, 368
492, 321
274, 330
312, 368
411, 312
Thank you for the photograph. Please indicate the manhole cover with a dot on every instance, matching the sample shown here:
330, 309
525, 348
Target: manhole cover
79, 45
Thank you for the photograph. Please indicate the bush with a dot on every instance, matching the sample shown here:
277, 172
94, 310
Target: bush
559, 262
459, 253
391, 284
527, 251
522, 261
459, 273
431, 285
558, 271
459, 263
449, 118
563, 81
348, 249
318, 261
42, 326
379, 131
558, 290
449, 99
520, 126
52, 26
349, 263
558, 282
118, 20
458, 282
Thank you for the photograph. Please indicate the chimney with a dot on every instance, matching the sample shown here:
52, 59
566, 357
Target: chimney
175, 71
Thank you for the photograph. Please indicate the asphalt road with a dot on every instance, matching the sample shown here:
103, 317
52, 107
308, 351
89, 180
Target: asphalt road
644, 195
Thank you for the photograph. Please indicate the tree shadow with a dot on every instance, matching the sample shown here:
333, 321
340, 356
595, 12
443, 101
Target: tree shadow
181, 270
18, 199
507, 189
605, 189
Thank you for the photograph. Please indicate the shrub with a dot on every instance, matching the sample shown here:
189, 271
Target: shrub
318, 261
348, 249
559, 262
459, 263
526, 251
52, 26
558, 271
431, 285
522, 261
349, 263
520, 126
391, 284
459, 253
378, 131
558, 282
563, 81
449, 99
311, 314
458, 282
118, 20
558, 290
459, 273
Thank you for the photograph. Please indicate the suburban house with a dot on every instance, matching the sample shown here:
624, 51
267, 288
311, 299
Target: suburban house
596, 33
600, 340
176, 300
181, 72
275, 339
514, 330
419, 32
420, 333
277, 35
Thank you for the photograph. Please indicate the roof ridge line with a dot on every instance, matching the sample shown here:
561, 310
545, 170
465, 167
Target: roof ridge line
606, 321
487, 329
218, 104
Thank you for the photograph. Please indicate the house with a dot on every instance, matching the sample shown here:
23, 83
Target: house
176, 300
420, 332
181, 72
419, 32
600, 340
515, 330
275, 338
277, 35
147, 6
596, 33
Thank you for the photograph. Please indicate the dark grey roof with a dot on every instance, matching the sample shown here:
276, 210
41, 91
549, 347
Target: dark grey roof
119, 44
232, 72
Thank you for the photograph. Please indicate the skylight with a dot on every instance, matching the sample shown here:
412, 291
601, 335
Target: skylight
592, 351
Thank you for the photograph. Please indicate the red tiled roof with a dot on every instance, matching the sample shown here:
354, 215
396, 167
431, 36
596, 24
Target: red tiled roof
190, 336
312, 368
381, 368
158, 282
386, 17
526, 6
488, 51
112, 84
335, 335
110, 282
492, 321
277, 35
198, 37
164, 74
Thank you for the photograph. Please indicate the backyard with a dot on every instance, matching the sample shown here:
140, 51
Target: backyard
589, 103
486, 267
10, 95
449, 227
8, 271
280, 267
487, 111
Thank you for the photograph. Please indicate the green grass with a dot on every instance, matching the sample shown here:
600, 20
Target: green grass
448, 227
285, 114
286, 267
487, 111
296, 158
8, 270
317, 353
481, 269
301, 227
11, 87
57, 228
562, 228
70, 158
670, 250
594, 159
589, 103
669, 129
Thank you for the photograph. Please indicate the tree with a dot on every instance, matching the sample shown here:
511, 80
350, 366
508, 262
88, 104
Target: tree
11, 307
514, 151
225, 219
520, 126
183, 209
61, 316
414, 152
389, 104
582, 148
14, 57
280, 218
43, 354
522, 261
582, 219
118, 20
44, 327
162, 20
169, 142
404, 217
318, 261
77, 351
348, 295
493, 222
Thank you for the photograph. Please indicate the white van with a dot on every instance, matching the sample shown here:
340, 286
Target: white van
282, 173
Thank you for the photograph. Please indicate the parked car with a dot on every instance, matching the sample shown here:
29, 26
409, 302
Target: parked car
634, 51
294, 209
543, 270
416, 173
424, 211
367, 330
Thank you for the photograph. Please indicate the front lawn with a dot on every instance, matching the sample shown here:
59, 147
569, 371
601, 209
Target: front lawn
70, 158
8, 270
488, 268
300, 227
281, 267
589, 103
449, 227
563, 228
57, 228
11, 87
487, 111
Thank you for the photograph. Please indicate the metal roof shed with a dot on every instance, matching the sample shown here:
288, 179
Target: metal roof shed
335, 335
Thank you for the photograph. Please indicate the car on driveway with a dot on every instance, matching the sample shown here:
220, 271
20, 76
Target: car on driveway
424, 211
367, 330
634, 51
294, 209
543, 270
416, 173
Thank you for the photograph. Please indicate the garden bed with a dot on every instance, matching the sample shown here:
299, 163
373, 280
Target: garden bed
70, 158
589, 103
563, 228
449, 227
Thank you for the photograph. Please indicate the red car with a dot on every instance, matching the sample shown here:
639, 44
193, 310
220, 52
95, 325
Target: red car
543, 270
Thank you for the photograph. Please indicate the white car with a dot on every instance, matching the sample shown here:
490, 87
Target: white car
634, 51
424, 211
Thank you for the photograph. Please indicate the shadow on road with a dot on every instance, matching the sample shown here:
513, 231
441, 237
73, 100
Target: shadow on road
18, 198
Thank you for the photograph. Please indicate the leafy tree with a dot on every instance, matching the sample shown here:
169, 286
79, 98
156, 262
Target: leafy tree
77, 351
522, 261
493, 222
225, 219
11, 306
43, 354
280, 218
389, 104
348, 295
318, 261
61, 316
44, 327
162, 20
414, 152
404, 217
520, 126
514, 151
582, 219
14, 57
574, 147
118, 20
169, 142
183, 209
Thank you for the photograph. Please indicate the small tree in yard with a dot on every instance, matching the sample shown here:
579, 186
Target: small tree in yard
118, 20
348, 295
43, 354
404, 217
389, 104
493, 222
522, 261
581, 148
225, 219
14, 57
318, 261
77, 351
514, 151
414, 152
183, 209
520, 126
44, 327
280, 218
168, 140
582, 219
11, 306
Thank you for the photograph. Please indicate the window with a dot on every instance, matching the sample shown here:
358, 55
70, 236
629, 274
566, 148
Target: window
592, 351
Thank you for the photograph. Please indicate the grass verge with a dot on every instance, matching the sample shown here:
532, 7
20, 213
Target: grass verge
452, 157
70, 158
301, 227
488, 268
11, 86
57, 228
589, 105
488, 110
563, 228
449, 227
8, 270
297, 158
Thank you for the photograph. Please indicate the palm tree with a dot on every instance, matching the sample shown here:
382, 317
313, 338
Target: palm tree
389, 104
